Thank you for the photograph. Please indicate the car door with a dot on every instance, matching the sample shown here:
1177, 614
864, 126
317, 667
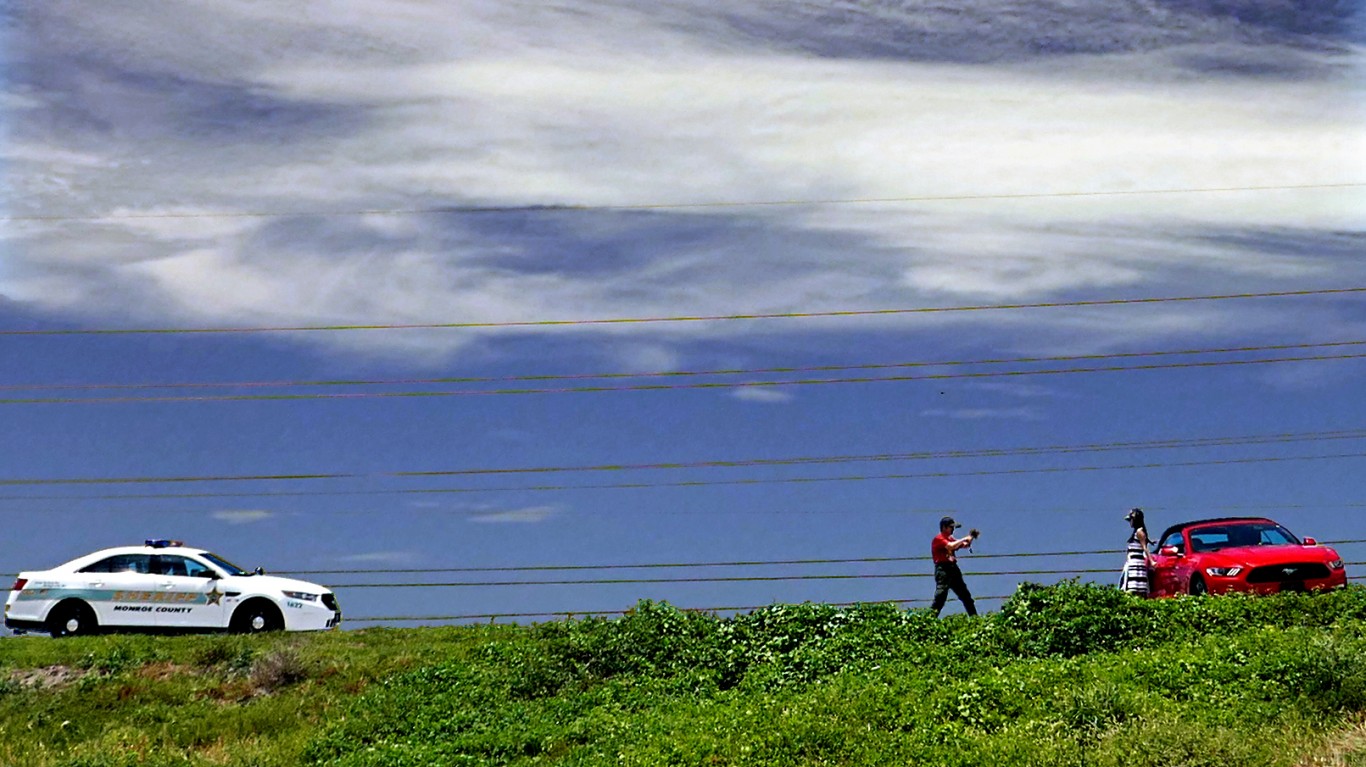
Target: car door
188, 594
1165, 566
119, 588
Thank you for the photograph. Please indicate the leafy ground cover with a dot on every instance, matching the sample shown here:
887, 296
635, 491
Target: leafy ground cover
1064, 675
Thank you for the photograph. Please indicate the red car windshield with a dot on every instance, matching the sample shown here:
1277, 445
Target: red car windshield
1216, 537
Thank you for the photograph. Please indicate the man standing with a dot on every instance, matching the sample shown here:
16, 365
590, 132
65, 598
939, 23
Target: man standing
946, 573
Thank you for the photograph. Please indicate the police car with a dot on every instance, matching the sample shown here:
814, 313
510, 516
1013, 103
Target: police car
164, 585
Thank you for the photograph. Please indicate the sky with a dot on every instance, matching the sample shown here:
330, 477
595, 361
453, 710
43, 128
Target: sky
902, 188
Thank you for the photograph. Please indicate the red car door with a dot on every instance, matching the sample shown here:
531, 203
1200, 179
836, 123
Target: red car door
1167, 563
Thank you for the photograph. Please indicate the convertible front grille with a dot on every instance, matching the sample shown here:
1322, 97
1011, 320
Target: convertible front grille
1288, 573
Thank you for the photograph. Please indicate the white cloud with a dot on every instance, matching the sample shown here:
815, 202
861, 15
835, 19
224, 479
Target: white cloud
242, 516
380, 557
624, 106
527, 515
766, 395
1011, 389
984, 413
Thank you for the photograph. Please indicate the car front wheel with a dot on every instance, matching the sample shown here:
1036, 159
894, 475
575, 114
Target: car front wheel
257, 617
71, 619
1198, 586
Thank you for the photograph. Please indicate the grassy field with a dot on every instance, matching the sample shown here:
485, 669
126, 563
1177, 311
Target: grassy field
1069, 675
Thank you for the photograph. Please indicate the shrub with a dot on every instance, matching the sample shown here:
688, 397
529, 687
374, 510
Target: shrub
236, 654
277, 670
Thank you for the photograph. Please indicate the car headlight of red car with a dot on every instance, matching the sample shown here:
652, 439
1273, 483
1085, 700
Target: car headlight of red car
1336, 564
1224, 572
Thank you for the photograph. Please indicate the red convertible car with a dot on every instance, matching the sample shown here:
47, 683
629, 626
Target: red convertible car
1249, 554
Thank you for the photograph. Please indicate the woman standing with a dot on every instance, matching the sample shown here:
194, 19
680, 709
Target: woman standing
1134, 579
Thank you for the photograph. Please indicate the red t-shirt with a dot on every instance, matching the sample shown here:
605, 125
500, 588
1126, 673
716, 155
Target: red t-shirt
939, 549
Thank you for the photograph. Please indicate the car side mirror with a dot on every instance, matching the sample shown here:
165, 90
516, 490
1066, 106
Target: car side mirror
260, 571
1169, 551
1311, 542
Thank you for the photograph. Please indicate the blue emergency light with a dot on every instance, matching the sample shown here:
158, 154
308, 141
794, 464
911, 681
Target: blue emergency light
161, 543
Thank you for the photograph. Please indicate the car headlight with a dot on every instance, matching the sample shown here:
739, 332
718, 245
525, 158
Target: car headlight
1223, 572
1336, 564
301, 596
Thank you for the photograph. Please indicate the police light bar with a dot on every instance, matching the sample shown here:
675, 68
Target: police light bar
161, 543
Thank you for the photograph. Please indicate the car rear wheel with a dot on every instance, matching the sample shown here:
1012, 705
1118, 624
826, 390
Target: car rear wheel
71, 619
1198, 586
257, 617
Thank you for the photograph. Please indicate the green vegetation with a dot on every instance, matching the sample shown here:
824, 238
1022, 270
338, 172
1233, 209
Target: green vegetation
1064, 675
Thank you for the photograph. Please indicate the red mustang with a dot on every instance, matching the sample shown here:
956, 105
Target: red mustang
1252, 554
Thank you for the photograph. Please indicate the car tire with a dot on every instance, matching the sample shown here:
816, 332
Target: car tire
257, 617
72, 619
1198, 587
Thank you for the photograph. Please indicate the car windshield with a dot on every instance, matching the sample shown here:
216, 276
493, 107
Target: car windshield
224, 564
1216, 537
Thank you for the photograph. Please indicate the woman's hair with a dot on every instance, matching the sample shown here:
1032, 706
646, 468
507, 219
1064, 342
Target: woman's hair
1135, 518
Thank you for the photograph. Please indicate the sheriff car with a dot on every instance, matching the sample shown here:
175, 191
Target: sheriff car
164, 585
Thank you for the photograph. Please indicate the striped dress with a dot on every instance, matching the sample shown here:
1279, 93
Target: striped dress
1135, 577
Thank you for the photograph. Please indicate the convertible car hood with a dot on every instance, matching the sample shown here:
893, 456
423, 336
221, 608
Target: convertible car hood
1272, 555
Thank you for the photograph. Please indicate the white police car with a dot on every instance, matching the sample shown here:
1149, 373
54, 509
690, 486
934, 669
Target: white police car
164, 586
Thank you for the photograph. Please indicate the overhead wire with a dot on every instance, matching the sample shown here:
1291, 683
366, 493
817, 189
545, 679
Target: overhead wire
713, 564
700, 579
673, 565
651, 206
721, 579
679, 318
708, 385
731, 563
597, 613
882, 510
304, 383
747, 511
1159, 444
571, 614
684, 484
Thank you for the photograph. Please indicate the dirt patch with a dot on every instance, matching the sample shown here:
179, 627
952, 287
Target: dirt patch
163, 670
46, 678
1345, 749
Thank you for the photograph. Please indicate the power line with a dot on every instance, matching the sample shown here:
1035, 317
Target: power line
678, 319
734, 563
1192, 442
474, 516
595, 613
710, 564
657, 374
724, 579
685, 484
733, 579
712, 385
1203, 508
704, 579
727, 563
585, 207
674, 565
700, 565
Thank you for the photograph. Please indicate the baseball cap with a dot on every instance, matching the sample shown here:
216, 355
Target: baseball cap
948, 521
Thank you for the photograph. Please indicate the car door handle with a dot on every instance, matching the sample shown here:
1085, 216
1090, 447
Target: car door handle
167, 584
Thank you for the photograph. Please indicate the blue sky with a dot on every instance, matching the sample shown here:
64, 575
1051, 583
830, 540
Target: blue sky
166, 167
